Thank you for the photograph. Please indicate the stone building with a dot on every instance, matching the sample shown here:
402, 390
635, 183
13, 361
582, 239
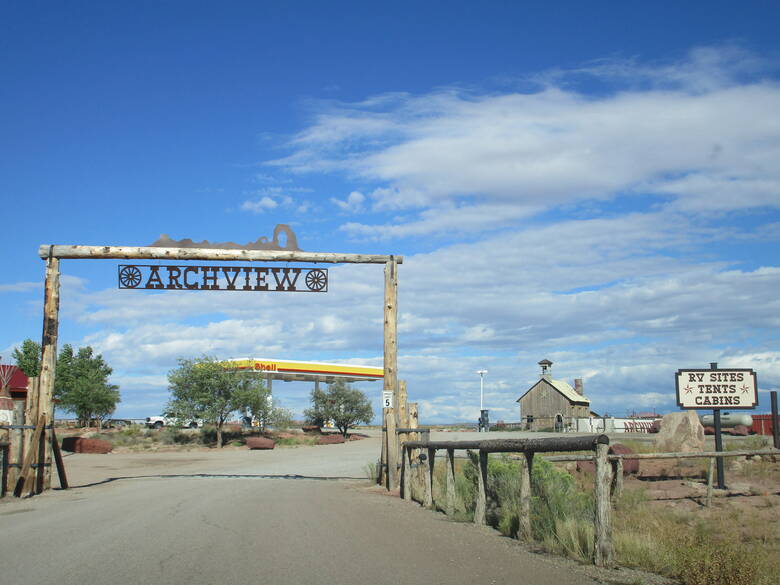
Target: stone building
552, 404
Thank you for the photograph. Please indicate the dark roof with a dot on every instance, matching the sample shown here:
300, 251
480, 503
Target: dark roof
545, 362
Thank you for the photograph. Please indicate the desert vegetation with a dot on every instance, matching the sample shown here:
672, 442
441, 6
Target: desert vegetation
139, 438
726, 544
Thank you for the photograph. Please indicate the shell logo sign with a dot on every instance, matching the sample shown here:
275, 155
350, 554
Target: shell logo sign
307, 369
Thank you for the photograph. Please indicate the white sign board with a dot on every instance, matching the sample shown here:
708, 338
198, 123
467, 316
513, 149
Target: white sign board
707, 388
387, 399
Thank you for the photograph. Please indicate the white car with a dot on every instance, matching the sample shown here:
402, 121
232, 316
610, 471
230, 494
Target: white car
158, 422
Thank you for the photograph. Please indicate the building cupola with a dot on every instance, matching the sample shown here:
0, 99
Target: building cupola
546, 369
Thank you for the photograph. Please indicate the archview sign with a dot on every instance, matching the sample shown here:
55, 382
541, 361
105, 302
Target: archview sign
713, 389
241, 278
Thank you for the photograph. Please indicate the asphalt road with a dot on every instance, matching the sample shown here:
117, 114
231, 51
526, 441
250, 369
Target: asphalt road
259, 517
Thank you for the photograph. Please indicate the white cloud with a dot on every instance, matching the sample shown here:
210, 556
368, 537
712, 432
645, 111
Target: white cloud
701, 132
265, 203
352, 204
20, 287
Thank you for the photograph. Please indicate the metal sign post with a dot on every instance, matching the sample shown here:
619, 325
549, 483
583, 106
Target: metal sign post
717, 389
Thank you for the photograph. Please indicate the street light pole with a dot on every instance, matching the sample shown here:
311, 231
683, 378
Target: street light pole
481, 375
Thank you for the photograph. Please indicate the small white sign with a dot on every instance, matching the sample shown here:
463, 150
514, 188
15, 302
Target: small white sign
387, 399
710, 389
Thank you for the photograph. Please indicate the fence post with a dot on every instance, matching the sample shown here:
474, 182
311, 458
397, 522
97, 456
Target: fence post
617, 479
429, 478
603, 522
405, 468
480, 510
450, 505
710, 474
526, 467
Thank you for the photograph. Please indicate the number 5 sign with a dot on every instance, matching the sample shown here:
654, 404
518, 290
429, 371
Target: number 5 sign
387, 400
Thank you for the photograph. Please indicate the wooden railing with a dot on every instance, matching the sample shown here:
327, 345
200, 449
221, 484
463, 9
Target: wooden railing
608, 479
599, 444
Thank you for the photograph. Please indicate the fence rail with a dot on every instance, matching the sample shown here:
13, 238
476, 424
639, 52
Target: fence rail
608, 479
603, 550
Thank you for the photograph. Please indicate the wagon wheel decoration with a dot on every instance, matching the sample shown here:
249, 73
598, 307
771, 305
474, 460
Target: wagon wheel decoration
316, 280
129, 276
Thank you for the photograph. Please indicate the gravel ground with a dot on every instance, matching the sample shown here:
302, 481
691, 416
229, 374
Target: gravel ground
237, 516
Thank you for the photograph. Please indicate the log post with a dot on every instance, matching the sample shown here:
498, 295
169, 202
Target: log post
51, 308
26, 481
392, 449
63, 477
480, 509
429, 478
391, 364
414, 454
16, 449
382, 475
450, 502
616, 486
29, 446
603, 522
401, 419
710, 475
526, 467
405, 469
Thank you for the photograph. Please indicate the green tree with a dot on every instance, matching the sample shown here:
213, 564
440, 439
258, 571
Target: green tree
253, 396
344, 405
204, 388
81, 385
28, 357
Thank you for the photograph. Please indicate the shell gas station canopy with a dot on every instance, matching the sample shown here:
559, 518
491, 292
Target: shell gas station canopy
294, 371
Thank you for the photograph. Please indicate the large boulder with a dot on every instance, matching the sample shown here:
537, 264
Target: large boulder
260, 443
681, 432
84, 445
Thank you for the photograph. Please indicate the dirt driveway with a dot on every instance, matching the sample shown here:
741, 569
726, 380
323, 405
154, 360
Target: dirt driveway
239, 516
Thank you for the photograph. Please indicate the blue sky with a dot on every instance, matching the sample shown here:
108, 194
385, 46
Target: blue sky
593, 183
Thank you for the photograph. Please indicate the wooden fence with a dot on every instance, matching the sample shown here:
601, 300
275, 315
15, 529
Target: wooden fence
599, 444
608, 478
31, 446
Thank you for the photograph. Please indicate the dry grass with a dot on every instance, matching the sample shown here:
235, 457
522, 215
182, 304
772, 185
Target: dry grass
717, 546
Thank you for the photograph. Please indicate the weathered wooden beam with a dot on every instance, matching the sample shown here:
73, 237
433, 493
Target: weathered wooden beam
63, 477
603, 551
541, 445
616, 486
25, 483
406, 487
686, 455
710, 475
429, 468
5, 450
391, 450
155, 253
449, 506
526, 467
391, 366
51, 310
480, 507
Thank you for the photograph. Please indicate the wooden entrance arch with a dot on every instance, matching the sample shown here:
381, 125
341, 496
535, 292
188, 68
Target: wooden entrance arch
53, 254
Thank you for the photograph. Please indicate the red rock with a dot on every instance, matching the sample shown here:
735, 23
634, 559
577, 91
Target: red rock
740, 430
629, 465
709, 430
330, 439
262, 443
82, 445
310, 429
